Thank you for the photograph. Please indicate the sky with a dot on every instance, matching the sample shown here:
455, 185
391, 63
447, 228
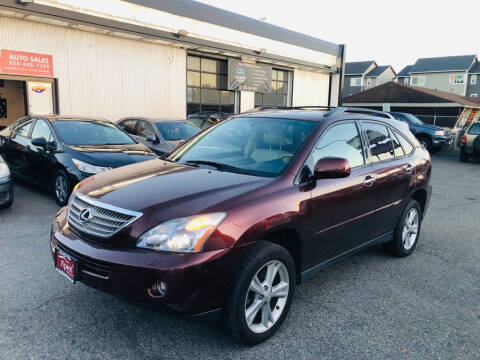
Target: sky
391, 32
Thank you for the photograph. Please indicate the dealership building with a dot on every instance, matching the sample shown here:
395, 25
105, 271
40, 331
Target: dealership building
159, 58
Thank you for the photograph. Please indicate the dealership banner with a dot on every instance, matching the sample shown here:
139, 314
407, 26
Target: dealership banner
24, 63
249, 77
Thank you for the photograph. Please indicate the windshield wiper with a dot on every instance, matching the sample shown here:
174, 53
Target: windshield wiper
219, 166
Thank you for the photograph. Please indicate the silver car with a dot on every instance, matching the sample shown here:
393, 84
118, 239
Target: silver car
6, 185
470, 145
161, 136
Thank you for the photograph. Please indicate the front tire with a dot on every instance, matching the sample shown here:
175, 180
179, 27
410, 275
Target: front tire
261, 294
405, 235
426, 143
61, 187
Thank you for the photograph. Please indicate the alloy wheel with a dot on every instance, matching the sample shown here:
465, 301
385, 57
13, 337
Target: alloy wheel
410, 229
61, 188
267, 296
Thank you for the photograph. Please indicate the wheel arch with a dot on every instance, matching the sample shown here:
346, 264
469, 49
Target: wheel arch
420, 196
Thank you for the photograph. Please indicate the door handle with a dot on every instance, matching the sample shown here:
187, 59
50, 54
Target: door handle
409, 168
369, 181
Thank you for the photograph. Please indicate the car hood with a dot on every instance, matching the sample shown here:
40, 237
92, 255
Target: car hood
162, 190
111, 155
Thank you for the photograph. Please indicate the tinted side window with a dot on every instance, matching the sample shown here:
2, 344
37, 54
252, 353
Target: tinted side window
128, 126
339, 141
145, 129
23, 129
407, 147
42, 129
397, 148
474, 129
381, 146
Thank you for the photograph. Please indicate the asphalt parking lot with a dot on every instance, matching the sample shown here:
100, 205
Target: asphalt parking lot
370, 306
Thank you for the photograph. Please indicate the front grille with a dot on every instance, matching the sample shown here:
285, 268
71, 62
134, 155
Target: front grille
95, 218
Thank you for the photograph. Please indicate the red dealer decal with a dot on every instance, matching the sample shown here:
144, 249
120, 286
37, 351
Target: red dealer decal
24, 63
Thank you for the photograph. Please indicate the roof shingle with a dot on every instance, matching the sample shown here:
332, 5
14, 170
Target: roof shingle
475, 68
358, 67
405, 71
379, 70
393, 92
446, 63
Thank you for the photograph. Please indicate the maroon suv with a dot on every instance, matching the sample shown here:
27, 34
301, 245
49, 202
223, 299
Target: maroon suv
235, 217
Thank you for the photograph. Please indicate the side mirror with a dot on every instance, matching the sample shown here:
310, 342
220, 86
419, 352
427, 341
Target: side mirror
152, 139
40, 142
332, 168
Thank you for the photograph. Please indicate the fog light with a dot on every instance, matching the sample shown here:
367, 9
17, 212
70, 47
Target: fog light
158, 289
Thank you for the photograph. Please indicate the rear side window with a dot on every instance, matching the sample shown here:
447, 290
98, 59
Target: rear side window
23, 129
397, 148
129, 126
407, 147
474, 129
380, 144
145, 129
339, 141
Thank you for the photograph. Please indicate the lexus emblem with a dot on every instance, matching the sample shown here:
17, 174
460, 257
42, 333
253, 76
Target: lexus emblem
86, 215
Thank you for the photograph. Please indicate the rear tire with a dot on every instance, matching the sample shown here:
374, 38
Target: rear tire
407, 232
252, 312
61, 187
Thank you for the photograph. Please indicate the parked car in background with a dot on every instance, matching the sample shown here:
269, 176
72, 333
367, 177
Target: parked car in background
6, 185
236, 216
431, 137
159, 135
206, 119
470, 145
57, 152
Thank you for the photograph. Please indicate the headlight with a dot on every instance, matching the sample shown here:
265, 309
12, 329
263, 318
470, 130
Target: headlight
4, 172
439, 133
181, 235
88, 168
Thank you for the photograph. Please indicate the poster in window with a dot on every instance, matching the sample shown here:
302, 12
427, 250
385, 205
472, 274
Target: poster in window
249, 77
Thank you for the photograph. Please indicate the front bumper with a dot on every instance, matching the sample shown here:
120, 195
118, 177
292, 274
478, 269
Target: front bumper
6, 192
196, 283
438, 142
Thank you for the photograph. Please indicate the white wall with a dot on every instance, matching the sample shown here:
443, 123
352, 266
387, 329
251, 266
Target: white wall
310, 88
102, 75
247, 100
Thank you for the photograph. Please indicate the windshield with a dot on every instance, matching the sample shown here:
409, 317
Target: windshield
474, 129
413, 119
254, 146
176, 130
91, 133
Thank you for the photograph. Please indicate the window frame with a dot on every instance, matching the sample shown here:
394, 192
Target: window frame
454, 77
473, 79
474, 95
286, 83
356, 84
417, 77
357, 124
368, 82
200, 88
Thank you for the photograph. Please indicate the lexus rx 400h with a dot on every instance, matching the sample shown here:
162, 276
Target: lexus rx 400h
235, 217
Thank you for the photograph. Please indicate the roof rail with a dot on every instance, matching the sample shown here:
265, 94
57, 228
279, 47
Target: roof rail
332, 110
345, 109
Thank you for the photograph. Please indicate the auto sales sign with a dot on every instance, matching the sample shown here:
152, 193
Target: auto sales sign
24, 63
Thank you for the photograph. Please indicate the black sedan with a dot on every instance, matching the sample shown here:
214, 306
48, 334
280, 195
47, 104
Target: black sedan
159, 135
6, 185
57, 152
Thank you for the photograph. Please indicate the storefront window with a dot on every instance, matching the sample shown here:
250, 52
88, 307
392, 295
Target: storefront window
207, 86
279, 94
